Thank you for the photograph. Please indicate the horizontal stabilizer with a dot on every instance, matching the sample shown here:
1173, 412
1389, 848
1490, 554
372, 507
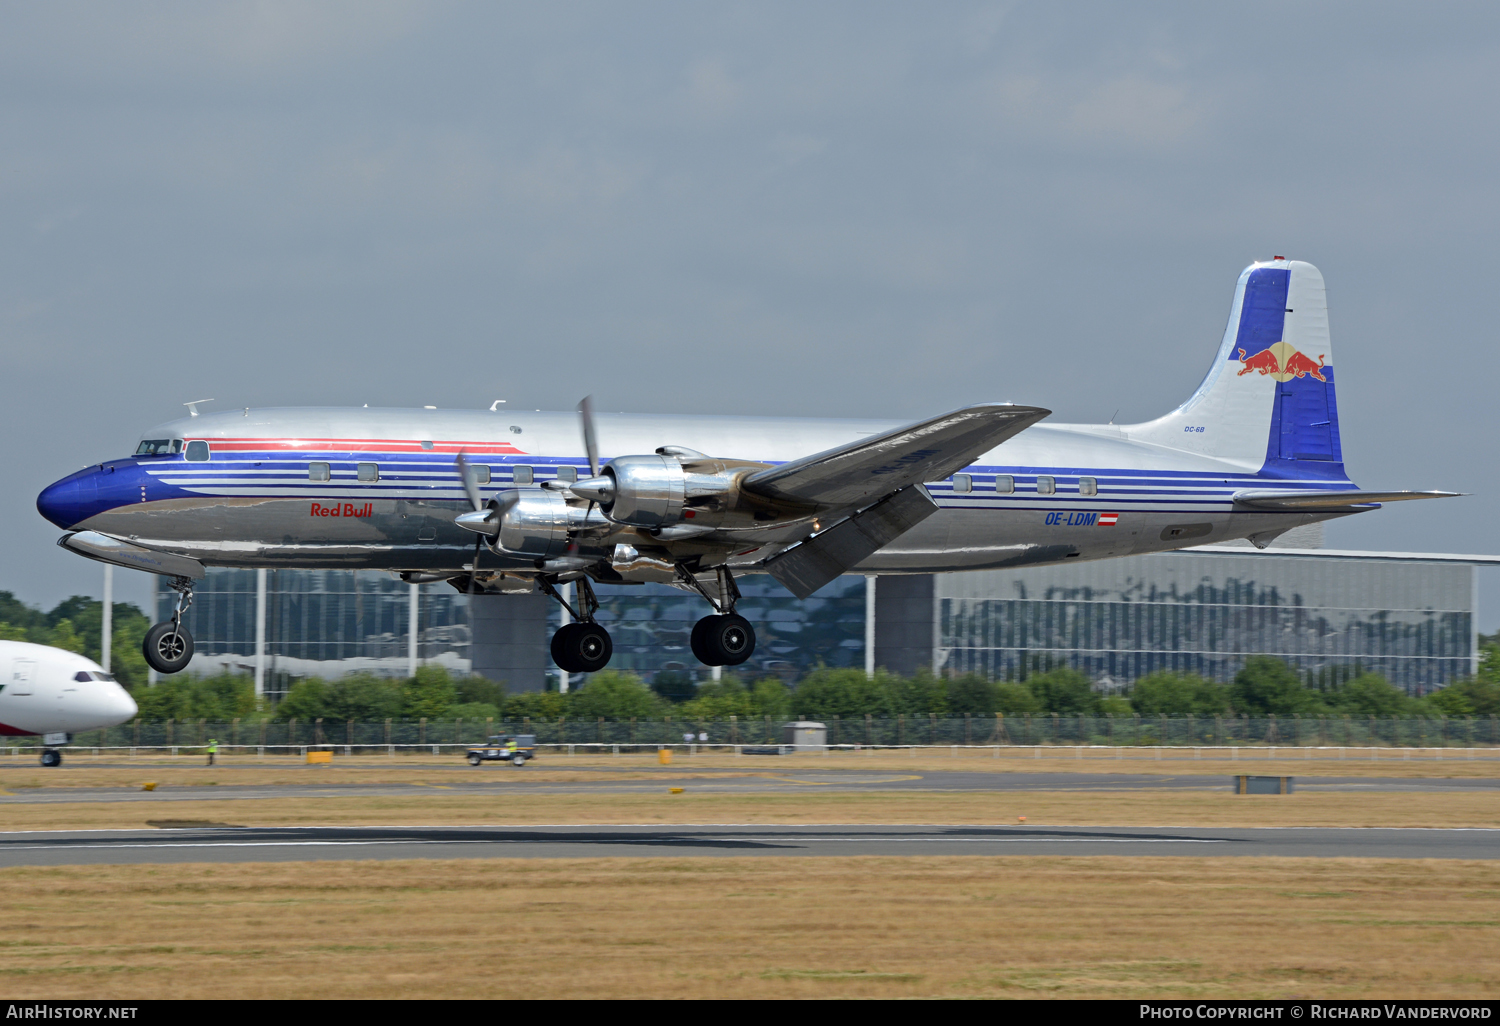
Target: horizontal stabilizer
111, 550
857, 474
1266, 499
805, 568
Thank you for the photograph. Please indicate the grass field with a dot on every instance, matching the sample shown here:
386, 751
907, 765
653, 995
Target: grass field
727, 927
82, 769
1087, 808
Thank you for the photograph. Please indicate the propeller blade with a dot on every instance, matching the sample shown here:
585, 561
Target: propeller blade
590, 437
470, 488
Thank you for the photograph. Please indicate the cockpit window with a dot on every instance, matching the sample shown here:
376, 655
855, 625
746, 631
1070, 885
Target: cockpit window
92, 675
159, 447
82, 675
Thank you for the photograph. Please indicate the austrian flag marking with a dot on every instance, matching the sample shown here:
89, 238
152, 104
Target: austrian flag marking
1108, 519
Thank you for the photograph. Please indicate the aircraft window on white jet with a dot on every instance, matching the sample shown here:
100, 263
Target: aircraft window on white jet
1046, 485
567, 473
368, 472
197, 451
963, 483
1088, 486
521, 474
82, 675
1005, 484
317, 472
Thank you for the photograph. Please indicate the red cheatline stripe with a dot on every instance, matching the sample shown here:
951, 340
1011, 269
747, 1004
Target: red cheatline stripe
357, 445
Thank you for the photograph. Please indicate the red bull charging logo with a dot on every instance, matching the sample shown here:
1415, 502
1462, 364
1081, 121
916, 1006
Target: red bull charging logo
1283, 363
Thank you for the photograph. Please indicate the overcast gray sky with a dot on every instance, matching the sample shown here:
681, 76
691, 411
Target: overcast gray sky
858, 209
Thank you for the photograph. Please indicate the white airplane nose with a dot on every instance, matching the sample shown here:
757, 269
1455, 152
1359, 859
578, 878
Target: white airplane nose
117, 706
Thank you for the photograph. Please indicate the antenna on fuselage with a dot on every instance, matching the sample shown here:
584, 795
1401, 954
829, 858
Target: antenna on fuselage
193, 406
496, 405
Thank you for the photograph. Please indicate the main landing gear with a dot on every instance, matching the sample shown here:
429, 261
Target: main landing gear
168, 646
724, 638
581, 646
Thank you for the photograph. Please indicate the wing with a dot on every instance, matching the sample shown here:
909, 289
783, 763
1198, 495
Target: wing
861, 472
1266, 499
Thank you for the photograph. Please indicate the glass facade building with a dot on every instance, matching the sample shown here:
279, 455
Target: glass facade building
1205, 613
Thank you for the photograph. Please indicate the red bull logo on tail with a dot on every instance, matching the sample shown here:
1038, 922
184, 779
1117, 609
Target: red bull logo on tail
1283, 363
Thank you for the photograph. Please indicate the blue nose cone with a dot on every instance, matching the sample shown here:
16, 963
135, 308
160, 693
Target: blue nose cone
69, 501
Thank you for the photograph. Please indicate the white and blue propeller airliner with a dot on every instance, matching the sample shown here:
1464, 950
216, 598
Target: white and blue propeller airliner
496, 500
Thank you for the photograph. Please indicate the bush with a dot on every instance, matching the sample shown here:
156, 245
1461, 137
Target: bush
1266, 686
225, 696
1165, 693
1015, 699
472, 711
429, 694
674, 685
1065, 691
615, 696
1370, 694
825, 693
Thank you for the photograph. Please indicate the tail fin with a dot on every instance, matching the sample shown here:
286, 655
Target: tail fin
1268, 400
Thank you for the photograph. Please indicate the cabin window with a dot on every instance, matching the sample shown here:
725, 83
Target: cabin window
963, 483
567, 473
1088, 486
317, 472
197, 451
479, 473
521, 474
1046, 485
1005, 484
369, 473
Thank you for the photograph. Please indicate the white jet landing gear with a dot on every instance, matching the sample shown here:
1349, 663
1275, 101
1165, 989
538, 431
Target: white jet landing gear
51, 757
581, 646
168, 646
724, 638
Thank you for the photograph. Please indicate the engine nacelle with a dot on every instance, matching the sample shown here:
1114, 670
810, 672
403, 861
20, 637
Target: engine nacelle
537, 524
648, 491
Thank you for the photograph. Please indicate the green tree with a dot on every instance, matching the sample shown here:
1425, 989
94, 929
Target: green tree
827, 692
615, 696
1014, 699
1267, 685
1115, 705
1065, 691
1370, 694
972, 694
718, 700
428, 694
62, 635
537, 705
224, 696
307, 699
472, 711
770, 696
921, 694
361, 696
1473, 696
1165, 693
474, 688
11, 632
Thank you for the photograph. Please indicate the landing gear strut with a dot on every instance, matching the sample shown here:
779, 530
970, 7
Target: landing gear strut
726, 638
168, 646
581, 646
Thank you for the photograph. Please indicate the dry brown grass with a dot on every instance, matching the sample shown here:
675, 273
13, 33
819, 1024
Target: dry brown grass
815, 805
756, 927
82, 769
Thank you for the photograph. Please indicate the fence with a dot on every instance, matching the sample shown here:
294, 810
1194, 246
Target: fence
1023, 730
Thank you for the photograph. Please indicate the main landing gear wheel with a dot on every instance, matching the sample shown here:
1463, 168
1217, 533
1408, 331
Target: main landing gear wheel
168, 647
51, 758
582, 648
723, 640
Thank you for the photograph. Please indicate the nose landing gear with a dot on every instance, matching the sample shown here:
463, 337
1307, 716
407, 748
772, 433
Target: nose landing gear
168, 646
725, 638
581, 646
51, 757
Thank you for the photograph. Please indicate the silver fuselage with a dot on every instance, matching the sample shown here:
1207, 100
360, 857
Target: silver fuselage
252, 503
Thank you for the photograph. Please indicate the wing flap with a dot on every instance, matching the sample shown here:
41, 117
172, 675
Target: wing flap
860, 472
1270, 499
803, 569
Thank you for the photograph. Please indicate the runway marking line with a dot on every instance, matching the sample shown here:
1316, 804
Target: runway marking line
628, 840
830, 783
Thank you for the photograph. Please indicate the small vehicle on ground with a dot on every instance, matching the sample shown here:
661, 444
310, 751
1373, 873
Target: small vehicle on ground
498, 749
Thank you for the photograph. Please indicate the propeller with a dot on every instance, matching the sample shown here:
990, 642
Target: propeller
590, 436
471, 489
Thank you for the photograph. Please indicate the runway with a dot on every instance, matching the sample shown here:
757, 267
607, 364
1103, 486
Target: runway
296, 844
500, 780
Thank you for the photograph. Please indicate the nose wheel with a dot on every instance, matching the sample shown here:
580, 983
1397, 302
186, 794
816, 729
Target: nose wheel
725, 639
51, 757
168, 647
